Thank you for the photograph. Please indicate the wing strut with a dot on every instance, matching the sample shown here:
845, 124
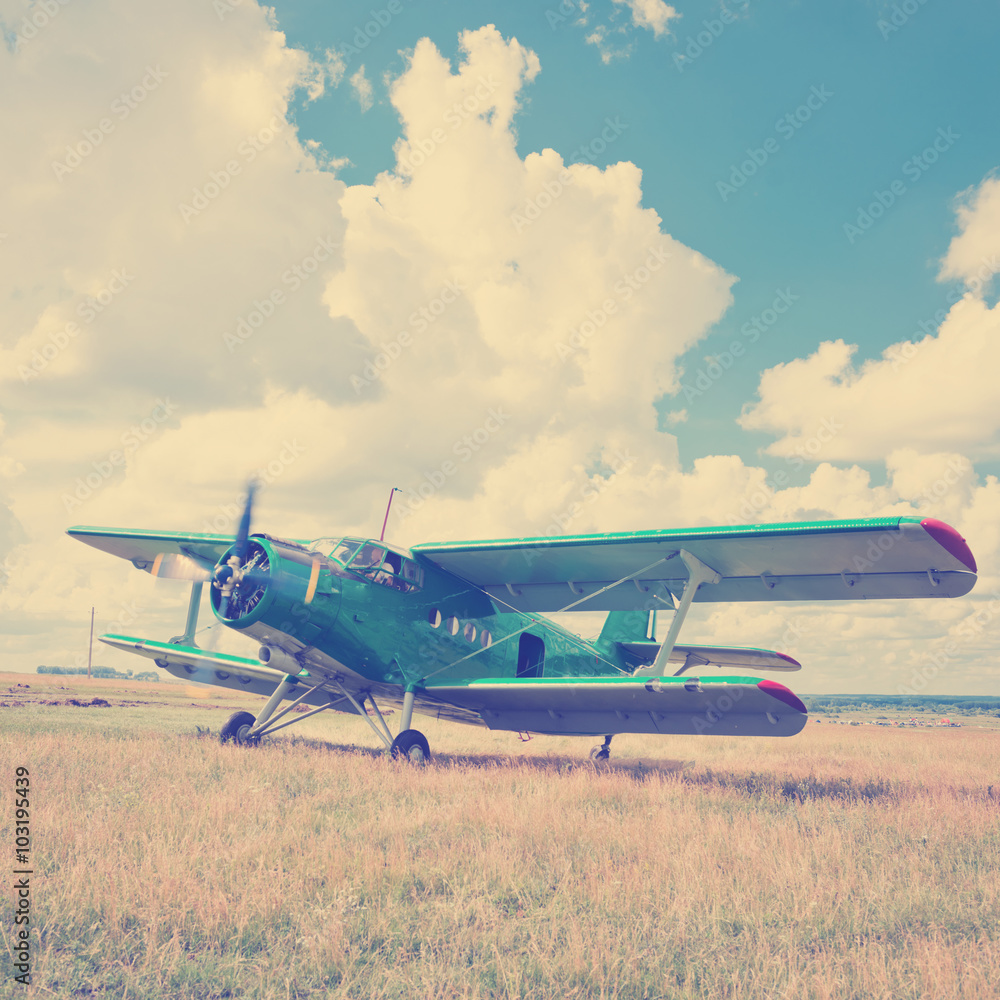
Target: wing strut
692, 660
191, 625
698, 573
569, 607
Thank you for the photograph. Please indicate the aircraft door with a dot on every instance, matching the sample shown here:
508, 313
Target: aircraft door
530, 655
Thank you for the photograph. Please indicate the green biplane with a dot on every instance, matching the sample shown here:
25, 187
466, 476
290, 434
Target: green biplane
456, 630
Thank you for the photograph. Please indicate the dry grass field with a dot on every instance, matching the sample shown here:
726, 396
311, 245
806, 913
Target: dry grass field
843, 863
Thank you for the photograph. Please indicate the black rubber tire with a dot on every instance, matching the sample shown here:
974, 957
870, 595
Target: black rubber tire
599, 753
411, 744
239, 722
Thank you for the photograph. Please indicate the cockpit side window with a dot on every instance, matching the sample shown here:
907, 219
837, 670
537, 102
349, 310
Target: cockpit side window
413, 573
368, 559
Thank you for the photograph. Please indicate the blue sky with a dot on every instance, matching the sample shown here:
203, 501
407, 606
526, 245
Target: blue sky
693, 104
241, 192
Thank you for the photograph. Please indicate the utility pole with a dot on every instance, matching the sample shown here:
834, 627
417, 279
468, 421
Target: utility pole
90, 650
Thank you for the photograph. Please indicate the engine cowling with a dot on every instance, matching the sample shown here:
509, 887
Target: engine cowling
278, 584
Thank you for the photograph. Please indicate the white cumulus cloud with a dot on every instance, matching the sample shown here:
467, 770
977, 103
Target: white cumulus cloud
974, 254
652, 14
926, 395
362, 88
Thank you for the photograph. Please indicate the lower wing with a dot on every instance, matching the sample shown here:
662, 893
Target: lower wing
595, 706
238, 673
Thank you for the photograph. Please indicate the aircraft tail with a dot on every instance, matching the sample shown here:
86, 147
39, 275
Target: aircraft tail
629, 626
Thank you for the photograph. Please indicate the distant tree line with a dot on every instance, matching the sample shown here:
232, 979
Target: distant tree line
105, 673
940, 704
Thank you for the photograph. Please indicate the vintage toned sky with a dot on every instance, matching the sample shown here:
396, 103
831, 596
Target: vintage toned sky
585, 267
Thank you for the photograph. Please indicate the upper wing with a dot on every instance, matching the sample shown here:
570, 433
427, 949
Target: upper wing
812, 561
142, 547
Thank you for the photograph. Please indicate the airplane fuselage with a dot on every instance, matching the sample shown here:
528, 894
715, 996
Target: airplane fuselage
387, 629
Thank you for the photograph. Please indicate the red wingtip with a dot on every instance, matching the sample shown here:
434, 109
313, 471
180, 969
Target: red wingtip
779, 691
790, 659
950, 540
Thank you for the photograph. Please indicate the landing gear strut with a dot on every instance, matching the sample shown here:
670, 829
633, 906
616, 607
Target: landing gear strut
603, 752
243, 729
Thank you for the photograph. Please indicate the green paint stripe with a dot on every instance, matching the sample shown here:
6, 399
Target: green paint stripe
138, 534
155, 536
194, 651
590, 681
680, 534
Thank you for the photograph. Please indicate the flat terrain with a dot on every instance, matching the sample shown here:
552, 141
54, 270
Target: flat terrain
846, 862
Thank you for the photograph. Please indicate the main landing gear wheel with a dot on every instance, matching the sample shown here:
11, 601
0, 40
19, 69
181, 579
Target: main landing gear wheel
603, 752
412, 745
238, 728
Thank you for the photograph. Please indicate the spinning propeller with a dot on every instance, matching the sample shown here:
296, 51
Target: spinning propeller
241, 579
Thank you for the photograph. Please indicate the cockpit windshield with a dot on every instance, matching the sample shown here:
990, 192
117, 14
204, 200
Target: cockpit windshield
374, 561
341, 549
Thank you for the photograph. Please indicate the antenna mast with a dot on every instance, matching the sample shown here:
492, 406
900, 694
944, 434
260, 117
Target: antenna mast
393, 491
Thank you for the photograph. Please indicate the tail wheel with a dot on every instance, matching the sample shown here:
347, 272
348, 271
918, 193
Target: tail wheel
412, 745
237, 730
602, 752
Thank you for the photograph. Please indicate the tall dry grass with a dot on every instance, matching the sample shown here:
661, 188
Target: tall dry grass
840, 864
